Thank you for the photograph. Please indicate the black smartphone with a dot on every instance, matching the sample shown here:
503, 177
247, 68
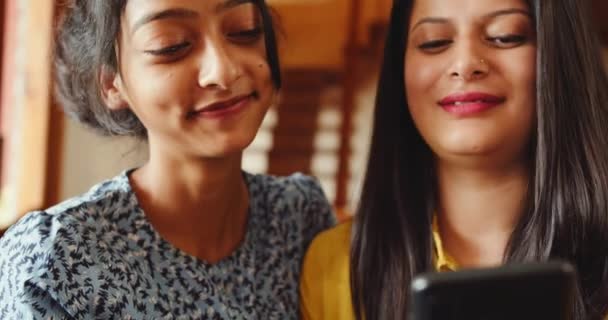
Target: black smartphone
519, 291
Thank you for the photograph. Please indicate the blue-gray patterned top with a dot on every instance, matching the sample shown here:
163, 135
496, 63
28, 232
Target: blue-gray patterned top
97, 256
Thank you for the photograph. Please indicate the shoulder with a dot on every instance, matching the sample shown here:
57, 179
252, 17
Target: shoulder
30, 251
294, 188
297, 200
70, 220
75, 216
291, 195
29, 241
325, 279
330, 249
48, 252
109, 197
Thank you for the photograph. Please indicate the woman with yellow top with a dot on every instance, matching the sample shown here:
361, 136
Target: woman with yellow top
490, 146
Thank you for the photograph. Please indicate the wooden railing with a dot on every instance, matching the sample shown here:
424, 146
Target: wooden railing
298, 120
348, 102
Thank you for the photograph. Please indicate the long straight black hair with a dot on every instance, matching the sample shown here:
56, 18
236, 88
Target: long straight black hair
566, 215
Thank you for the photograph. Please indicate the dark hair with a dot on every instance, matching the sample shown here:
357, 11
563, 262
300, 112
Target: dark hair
567, 203
86, 43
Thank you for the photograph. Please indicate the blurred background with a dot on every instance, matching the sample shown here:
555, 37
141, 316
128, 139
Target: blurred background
331, 54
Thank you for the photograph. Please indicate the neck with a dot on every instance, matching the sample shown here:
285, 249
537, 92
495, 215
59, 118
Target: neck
199, 204
478, 211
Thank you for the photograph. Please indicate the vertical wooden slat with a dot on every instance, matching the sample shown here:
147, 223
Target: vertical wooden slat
33, 128
36, 116
33, 113
298, 113
7, 102
348, 101
7, 63
55, 141
2, 30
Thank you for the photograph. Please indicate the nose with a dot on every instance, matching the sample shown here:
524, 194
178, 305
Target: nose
218, 69
468, 63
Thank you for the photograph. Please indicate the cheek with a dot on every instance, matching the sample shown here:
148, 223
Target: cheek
522, 78
160, 94
164, 87
420, 78
526, 76
262, 74
258, 70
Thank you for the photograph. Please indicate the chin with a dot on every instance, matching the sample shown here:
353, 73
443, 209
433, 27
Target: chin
467, 145
228, 147
473, 151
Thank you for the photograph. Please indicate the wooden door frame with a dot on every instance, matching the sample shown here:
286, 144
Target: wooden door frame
2, 28
36, 133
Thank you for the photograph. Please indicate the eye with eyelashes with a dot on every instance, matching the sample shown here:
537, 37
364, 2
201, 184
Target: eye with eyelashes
170, 50
506, 41
247, 36
510, 40
434, 44
242, 37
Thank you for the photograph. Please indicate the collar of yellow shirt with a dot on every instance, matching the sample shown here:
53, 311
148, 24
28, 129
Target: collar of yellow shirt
443, 261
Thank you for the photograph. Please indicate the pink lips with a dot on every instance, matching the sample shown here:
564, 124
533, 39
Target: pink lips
471, 103
223, 108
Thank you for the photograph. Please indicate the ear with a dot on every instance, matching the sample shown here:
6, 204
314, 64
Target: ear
112, 89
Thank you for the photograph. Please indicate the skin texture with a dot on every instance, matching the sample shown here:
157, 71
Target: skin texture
462, 46
177, 57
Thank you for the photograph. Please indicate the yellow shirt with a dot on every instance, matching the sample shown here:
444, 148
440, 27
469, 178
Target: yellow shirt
443, 261
325, 281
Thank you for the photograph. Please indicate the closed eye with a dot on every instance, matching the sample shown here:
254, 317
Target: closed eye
246, 36
170, 50
434, 45
507, 41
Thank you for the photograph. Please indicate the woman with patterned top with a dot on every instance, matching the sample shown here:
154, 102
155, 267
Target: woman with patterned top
188, 235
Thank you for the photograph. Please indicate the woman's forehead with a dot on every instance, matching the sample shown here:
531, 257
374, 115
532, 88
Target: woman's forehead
453, 8
138, 12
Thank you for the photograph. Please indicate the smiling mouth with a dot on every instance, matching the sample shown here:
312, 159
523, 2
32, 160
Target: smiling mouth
468, 104
223, 108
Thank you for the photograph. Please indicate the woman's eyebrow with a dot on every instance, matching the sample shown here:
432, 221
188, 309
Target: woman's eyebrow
183, 13
435, 20
228, 4
493, 14
497, 13
180, 13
